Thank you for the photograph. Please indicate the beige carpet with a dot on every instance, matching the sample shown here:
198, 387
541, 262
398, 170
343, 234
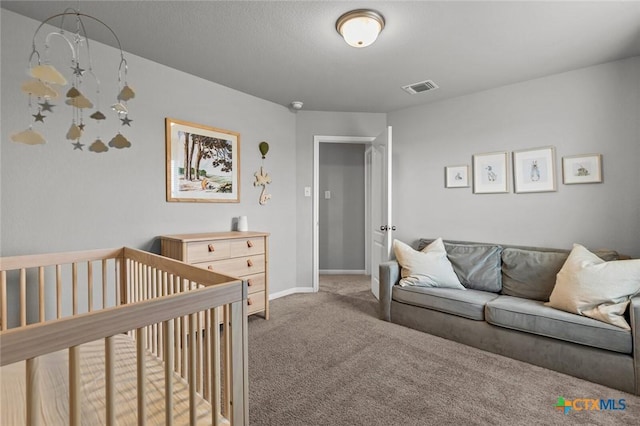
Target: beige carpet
326, 359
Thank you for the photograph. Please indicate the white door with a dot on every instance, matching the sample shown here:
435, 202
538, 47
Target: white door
381, 219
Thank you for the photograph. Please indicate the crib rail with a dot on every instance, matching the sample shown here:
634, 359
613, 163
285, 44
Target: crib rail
172, 310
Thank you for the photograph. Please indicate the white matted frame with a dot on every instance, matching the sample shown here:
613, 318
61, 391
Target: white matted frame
456, 176
490, 173
584, 168
203, 163
534, 170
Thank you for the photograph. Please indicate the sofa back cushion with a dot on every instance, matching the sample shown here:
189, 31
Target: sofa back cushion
477, 265
531, 273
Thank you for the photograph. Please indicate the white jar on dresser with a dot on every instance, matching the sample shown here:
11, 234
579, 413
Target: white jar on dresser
240, 254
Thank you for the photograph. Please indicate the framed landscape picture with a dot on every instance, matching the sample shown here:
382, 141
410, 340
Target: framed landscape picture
534, 170
203, 163
456, 176
490, 173
586, 168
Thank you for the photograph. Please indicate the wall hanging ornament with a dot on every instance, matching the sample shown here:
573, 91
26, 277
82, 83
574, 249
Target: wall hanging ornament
262, 177
46, 82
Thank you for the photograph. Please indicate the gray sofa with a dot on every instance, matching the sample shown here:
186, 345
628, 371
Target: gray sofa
502, 311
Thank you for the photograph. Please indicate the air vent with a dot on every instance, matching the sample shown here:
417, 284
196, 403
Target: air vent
423, 86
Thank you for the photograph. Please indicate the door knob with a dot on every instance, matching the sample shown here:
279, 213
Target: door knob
383, 227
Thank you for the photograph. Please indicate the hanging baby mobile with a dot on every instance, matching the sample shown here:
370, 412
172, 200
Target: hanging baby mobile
47, 82
262, 177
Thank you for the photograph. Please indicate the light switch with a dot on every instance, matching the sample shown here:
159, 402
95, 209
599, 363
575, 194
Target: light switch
327, 195
307, 191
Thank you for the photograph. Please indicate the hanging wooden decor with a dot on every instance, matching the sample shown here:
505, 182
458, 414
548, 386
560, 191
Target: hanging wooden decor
262, 177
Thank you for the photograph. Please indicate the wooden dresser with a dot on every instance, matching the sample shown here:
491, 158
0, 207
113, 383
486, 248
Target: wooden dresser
240, 254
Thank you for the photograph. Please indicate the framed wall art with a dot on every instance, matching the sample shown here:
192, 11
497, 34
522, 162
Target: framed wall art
203, 163
534, 170
585, 168
490, 173
456, 176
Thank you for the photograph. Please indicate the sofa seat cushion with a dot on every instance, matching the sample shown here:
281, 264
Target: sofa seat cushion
534, 317
468, 304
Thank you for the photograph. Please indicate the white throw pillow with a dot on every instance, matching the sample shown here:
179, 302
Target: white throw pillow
427, 268
589, 286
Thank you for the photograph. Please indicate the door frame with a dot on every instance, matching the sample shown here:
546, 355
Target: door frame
317, 140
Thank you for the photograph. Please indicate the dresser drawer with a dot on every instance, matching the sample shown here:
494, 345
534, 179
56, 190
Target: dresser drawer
207, 250
256, 302
242, 255
255, 282
237, 267
246, 247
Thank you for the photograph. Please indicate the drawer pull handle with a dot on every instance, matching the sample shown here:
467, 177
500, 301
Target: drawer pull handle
249, 262
210, 267
249, 302
249, 243
250, 282
211, 248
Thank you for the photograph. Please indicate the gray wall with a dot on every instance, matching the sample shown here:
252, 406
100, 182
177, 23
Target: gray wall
57, 199
591, 110
341, 228
308, 125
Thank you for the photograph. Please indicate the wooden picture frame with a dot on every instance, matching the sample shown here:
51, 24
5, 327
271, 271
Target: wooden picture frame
584, 168
534, 170
456, 176
203, 163
490, 173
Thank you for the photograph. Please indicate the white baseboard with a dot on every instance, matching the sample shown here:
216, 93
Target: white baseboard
289, 291
342, 272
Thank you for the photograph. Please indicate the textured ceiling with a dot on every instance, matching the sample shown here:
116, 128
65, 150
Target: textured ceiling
285, 50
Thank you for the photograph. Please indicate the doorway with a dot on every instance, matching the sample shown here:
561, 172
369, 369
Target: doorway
319, 192
342, 209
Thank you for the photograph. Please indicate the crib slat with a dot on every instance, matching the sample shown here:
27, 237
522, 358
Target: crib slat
168, 371
121, 273
33, 392
90, 286
74, 280
41, 294
185, 328
110, 381
206, 361
141, 363
154, 327
3, 301
23, 297
58, 291
198, 349
215, 366
105, 284
192, 368
74, 386
226, 362
177, 329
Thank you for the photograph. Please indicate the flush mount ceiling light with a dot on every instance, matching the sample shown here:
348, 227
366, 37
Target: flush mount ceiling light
360, 28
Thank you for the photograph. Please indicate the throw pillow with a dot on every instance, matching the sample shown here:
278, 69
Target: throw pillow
427, 268
589, 286
477, 265
530, 273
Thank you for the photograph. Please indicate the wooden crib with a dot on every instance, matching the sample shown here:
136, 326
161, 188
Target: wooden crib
120, 336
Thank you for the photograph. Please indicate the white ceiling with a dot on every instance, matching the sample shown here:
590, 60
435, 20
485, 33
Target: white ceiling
285, 50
